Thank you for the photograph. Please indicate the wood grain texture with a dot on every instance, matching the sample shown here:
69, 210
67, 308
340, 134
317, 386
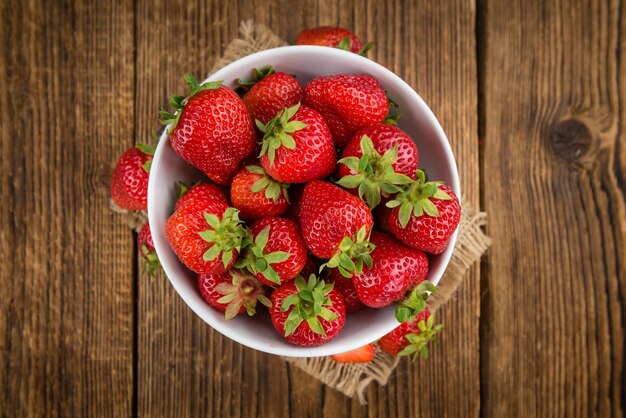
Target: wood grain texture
66, 86
186, 369
80, 81
553, 318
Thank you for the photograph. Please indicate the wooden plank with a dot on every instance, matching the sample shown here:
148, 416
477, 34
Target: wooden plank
66, 83
554, 188
184, 367
187, 369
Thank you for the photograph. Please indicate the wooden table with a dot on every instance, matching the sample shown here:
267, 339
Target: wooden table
531, 95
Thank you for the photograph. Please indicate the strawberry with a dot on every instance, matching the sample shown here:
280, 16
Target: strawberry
363, 354
395, 267
199, 191
257, 195
347, 103
271, 93
424, 215
277, 253
206, 235
346, 286
376, 160
412, 337
146, 249
297, 146
336, 226
212, 129
232, 292
307, 313
129, 181
333, 37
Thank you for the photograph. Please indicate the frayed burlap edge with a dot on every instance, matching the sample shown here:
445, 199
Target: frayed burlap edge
353, 379
350, 379
253, 38
135, 219
471, 244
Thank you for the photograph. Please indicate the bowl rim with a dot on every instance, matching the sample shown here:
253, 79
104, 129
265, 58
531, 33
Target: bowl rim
269, 54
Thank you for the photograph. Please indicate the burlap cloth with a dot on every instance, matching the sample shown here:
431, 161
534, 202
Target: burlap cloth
353, 379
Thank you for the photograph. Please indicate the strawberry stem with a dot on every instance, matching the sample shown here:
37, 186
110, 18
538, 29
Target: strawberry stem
151, 261
226, 234
415, 302
352, 254
256, 261
244, 86
415, 199
418, 342
273, 189
244, 290
178, 103
277, 132
375, 173
309, 304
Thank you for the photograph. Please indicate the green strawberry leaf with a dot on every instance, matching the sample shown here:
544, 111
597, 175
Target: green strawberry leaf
316, 326
404, 215
416, 198
147, 165
392, 119
146, 148
178, 102
415, 302
277, 257
375, 175
366, 48
278, 132
212, 253
344, 44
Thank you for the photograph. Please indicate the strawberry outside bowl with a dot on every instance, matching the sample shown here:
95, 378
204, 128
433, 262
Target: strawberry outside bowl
306, 62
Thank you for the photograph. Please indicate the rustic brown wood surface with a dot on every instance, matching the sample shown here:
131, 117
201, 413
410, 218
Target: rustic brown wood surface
553, 181
530, 96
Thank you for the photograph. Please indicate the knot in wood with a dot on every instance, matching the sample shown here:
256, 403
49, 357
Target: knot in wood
571, 140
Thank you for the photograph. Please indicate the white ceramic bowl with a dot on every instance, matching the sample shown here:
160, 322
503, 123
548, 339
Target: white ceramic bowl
306, 62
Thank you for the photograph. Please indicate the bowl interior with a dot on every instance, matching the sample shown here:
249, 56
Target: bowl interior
306, 62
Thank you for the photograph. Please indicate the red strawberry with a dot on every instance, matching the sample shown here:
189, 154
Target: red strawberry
297, 146
257, 195
334, 38
363, 354
232, 292
146, 249
347, 103
199, 191
423, 215
307, 313
212, 129
271, 93
129, 181
277, 253
206, 235
336, 226
377, 159
412, 337
395, 267
346, 286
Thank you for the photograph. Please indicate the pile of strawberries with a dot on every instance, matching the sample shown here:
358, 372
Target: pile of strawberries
315, 206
